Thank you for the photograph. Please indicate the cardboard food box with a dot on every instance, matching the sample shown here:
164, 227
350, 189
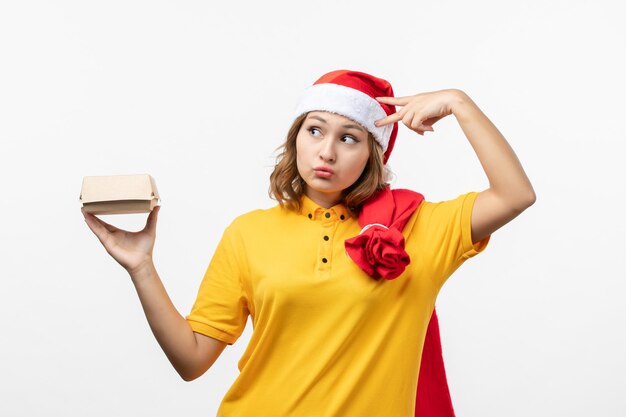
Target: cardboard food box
119, 194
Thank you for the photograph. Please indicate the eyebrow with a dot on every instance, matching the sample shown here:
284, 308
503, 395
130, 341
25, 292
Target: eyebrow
346, 126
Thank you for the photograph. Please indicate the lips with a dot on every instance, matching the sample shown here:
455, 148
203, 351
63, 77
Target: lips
325, 169
324, 172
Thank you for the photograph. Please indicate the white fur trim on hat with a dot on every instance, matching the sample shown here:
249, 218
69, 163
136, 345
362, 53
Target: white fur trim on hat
347, 102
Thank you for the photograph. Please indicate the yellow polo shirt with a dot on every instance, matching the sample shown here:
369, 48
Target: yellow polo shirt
328, 340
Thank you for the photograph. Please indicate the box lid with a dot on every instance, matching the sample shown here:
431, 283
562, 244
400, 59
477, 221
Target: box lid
118, 187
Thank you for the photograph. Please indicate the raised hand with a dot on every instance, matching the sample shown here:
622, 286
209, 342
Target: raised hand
132, 250
421, 111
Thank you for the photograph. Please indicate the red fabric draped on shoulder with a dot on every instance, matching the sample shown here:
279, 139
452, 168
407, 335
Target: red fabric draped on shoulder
379, 251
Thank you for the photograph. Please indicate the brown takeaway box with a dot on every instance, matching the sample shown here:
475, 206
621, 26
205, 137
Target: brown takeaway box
119, 194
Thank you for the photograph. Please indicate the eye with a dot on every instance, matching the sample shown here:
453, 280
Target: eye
311, 129
349, 139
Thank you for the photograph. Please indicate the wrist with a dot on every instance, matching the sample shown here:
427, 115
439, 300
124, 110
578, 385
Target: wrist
461, 104
458, 99
143, 272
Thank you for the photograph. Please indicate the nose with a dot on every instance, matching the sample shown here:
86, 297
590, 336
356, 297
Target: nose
327, 150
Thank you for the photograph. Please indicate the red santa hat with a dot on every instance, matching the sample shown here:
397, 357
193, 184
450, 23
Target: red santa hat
353, 94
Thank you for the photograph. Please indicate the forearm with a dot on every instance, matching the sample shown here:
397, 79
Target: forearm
171, 330
504, 171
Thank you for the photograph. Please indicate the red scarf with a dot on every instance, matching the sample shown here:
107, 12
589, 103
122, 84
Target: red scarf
379, 251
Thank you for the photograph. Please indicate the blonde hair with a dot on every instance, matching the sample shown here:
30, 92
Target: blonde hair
287, 187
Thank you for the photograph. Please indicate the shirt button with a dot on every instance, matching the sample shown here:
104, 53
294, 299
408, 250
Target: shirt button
327, 215
342, 217
324, 260
325, 237
310, 216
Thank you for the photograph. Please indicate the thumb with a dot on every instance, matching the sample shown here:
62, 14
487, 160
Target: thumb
152, 219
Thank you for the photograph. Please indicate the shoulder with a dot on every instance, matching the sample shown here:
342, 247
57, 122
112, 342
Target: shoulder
431, 214
259, 220
437, 208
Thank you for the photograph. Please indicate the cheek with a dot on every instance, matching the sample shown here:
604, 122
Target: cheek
363, 162
300, 152
300, 145
357, 168
304, 150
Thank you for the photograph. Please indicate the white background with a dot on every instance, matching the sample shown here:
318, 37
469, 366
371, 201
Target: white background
199, 95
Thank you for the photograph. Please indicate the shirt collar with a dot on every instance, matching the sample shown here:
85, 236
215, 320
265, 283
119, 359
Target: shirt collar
314, 211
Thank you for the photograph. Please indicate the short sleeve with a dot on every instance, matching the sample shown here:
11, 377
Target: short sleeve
221, 310
444, 235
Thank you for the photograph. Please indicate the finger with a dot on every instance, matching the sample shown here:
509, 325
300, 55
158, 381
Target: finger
416, 124
106, 225
152, 219
412, 122
432, 120
97, 229
408, 119
425, 125
396, 101
98, 223
392, 118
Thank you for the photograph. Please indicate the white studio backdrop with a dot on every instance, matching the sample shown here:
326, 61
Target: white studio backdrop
199, 95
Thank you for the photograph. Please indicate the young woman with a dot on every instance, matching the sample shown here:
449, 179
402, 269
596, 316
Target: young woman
341, 277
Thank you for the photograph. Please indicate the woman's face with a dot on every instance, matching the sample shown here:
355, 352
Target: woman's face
331, 153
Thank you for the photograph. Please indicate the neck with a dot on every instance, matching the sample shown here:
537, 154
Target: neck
326, 200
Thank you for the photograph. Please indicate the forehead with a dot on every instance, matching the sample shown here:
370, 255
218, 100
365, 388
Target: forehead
329, 115
334, 118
